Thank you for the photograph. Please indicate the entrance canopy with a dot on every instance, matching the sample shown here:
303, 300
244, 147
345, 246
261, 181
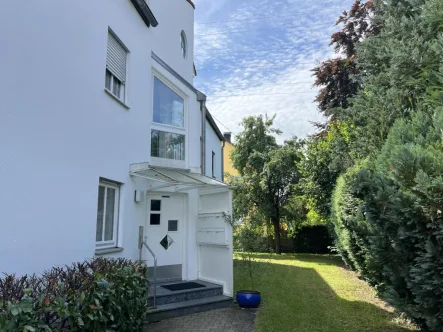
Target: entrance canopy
181, 179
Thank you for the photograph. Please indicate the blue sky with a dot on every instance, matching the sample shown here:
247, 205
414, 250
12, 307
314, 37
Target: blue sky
254, 57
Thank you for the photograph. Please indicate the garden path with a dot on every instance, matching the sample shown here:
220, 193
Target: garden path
222, 320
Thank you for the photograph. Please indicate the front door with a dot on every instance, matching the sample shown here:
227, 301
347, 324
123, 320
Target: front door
164, 235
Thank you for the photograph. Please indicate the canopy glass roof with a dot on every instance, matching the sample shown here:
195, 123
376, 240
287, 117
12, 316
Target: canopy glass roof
174, 177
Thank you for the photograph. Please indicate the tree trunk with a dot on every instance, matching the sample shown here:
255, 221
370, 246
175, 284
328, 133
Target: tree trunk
276, 223
269, 233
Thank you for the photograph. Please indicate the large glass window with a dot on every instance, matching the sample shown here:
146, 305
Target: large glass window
167, 145
169, 107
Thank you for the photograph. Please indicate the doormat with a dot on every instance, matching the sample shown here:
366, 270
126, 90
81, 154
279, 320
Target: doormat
183, 286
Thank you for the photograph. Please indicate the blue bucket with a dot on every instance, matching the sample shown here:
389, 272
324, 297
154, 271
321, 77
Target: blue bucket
248, 298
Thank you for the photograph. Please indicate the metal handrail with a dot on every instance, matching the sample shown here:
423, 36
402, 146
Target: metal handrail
143, 243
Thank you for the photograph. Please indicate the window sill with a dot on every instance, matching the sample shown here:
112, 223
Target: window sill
163, 127
116, 99
105, 251
170, 163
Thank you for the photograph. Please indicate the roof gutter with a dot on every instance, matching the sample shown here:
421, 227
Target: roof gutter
214, 126
201, 97
223, 161
145, 12
191, 3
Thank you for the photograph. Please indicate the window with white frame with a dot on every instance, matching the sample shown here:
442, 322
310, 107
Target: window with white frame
116, 65
167, 145
168, 136
107, 215
169, 106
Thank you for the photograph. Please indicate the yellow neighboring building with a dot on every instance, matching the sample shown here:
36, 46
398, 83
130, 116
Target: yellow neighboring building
228, 169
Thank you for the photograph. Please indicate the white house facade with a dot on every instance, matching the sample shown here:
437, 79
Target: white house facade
106, 144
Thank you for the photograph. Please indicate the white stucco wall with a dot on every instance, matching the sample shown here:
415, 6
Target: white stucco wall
60, 132
213, 144
174, 16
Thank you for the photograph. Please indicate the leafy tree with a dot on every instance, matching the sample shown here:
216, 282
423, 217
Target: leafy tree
359, 22
296, 214
324, 160
267, 171
336, 76
332, 151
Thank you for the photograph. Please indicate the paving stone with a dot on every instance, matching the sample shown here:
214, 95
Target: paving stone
222, 320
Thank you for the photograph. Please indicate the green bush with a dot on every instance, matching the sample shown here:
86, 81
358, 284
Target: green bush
350, 227
388, 219
96, 295
404, 204
313, 239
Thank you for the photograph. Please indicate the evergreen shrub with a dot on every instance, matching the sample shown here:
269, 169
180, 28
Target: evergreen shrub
388, 219
350, 229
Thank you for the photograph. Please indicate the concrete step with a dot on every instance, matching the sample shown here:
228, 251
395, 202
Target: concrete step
189, 307
165, 296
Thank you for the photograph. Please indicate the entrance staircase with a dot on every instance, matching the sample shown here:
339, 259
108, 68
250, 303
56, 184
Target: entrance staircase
170, 304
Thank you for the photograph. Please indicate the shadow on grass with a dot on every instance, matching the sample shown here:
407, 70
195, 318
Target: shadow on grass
299, 299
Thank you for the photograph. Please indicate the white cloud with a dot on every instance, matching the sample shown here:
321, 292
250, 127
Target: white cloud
263, 66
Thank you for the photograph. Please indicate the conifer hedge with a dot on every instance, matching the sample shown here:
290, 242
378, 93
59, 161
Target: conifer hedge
388, 219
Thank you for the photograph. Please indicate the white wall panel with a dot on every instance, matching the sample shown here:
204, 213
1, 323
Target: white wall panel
60, 132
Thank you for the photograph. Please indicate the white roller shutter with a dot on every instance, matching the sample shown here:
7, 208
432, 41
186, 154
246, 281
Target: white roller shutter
116, 58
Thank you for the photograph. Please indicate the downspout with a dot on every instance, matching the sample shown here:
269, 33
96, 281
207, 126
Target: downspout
202, 99
223, 161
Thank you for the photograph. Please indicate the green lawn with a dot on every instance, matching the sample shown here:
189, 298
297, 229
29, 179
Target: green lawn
310, 293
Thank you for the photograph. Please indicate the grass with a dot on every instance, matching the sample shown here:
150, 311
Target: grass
314, 293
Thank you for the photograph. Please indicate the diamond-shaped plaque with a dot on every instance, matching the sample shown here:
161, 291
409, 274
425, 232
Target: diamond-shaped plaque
166, 242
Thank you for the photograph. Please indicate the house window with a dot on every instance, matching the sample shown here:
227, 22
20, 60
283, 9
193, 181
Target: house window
172, 225
116, 64
156, 205
107, 215
184, 44
213, 164
168, 135
167, 145
169, 106
154, 218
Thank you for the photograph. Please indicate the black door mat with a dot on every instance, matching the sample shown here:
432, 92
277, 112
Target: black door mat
183, 286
